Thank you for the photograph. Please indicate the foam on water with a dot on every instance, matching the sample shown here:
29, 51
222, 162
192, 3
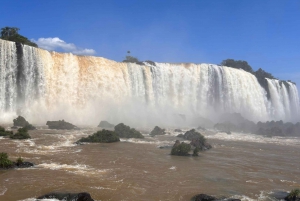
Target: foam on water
3, 189
75, 169
34, 199
247, 137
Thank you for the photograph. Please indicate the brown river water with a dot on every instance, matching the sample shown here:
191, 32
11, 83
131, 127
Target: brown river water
243, 166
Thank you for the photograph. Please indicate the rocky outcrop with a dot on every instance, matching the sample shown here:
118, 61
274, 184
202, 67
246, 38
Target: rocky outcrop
124, 131
103, 136
106, 124
21, 122
67, 196
157, 131
5, 163
197, 140
204, 197
60, 125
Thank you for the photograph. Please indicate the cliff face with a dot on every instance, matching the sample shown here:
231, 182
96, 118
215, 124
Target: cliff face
83, 89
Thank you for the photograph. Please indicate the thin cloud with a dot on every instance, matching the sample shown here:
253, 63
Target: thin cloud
56, 43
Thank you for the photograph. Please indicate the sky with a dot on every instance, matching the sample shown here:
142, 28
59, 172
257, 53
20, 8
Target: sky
266, 33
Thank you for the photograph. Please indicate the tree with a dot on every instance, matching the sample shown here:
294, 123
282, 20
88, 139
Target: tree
11, 34
237, 64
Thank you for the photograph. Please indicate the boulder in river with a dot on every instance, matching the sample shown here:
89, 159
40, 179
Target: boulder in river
124, 131
67, 196
204, 197
103, 136
61, 125
157, 131
21, 122
106, 124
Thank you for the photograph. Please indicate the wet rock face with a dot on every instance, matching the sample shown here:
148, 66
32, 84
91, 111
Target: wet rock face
106, 124
21, 122
61, 125
204, 197
67, 196
157, 131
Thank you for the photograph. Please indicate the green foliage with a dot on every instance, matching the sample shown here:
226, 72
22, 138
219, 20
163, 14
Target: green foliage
157, 131
11, 34
21, 134
21, 121
3, 132
130, 59
196, 151
295, 193
182, 149
103, 136
124, 131
4, 161
19, 160
237, 64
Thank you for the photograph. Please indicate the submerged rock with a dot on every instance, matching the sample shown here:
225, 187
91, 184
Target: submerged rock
204, 197
67, 196
21, 122
157, 131
106, 124
61, 124
124, 131
103, 136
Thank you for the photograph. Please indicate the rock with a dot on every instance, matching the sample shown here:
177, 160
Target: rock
180, 135
180, 149
178, 130
21, 122
61, 124
200, 143
157, 131
103, 136
294, 195
24, 165
192, 134
67, 196
5, 163
124, 131
106, 124
21, 134
204, 197
201, 128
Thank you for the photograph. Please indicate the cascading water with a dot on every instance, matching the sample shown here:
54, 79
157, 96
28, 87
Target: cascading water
44, 85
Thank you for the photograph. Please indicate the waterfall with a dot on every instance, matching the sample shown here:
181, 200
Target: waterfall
43, 85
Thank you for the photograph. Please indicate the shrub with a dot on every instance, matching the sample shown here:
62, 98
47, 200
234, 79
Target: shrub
4, 161
103, 136
19, 160
3, 132
124, 131
294, 194
21, 134
180, 149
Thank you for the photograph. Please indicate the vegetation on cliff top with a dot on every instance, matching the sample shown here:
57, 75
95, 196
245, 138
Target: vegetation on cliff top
11, 34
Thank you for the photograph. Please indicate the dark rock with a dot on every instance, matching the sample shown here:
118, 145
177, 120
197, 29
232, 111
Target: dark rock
178, 130
192, 134
5, 163
103, 136
200, 144
180, 149
24, 165
21, 122
67, 196
61, 124
157, 131
204, 197
180, 135
106, 124
124, 131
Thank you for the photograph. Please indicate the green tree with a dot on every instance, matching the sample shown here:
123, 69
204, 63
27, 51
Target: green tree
11, 34
237, 64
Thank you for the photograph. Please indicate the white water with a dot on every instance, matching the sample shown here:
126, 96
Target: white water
85, 90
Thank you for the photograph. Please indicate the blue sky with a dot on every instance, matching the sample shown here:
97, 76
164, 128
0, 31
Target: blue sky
264, 33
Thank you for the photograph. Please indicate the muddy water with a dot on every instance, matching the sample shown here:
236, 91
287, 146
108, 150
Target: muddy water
242, 166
